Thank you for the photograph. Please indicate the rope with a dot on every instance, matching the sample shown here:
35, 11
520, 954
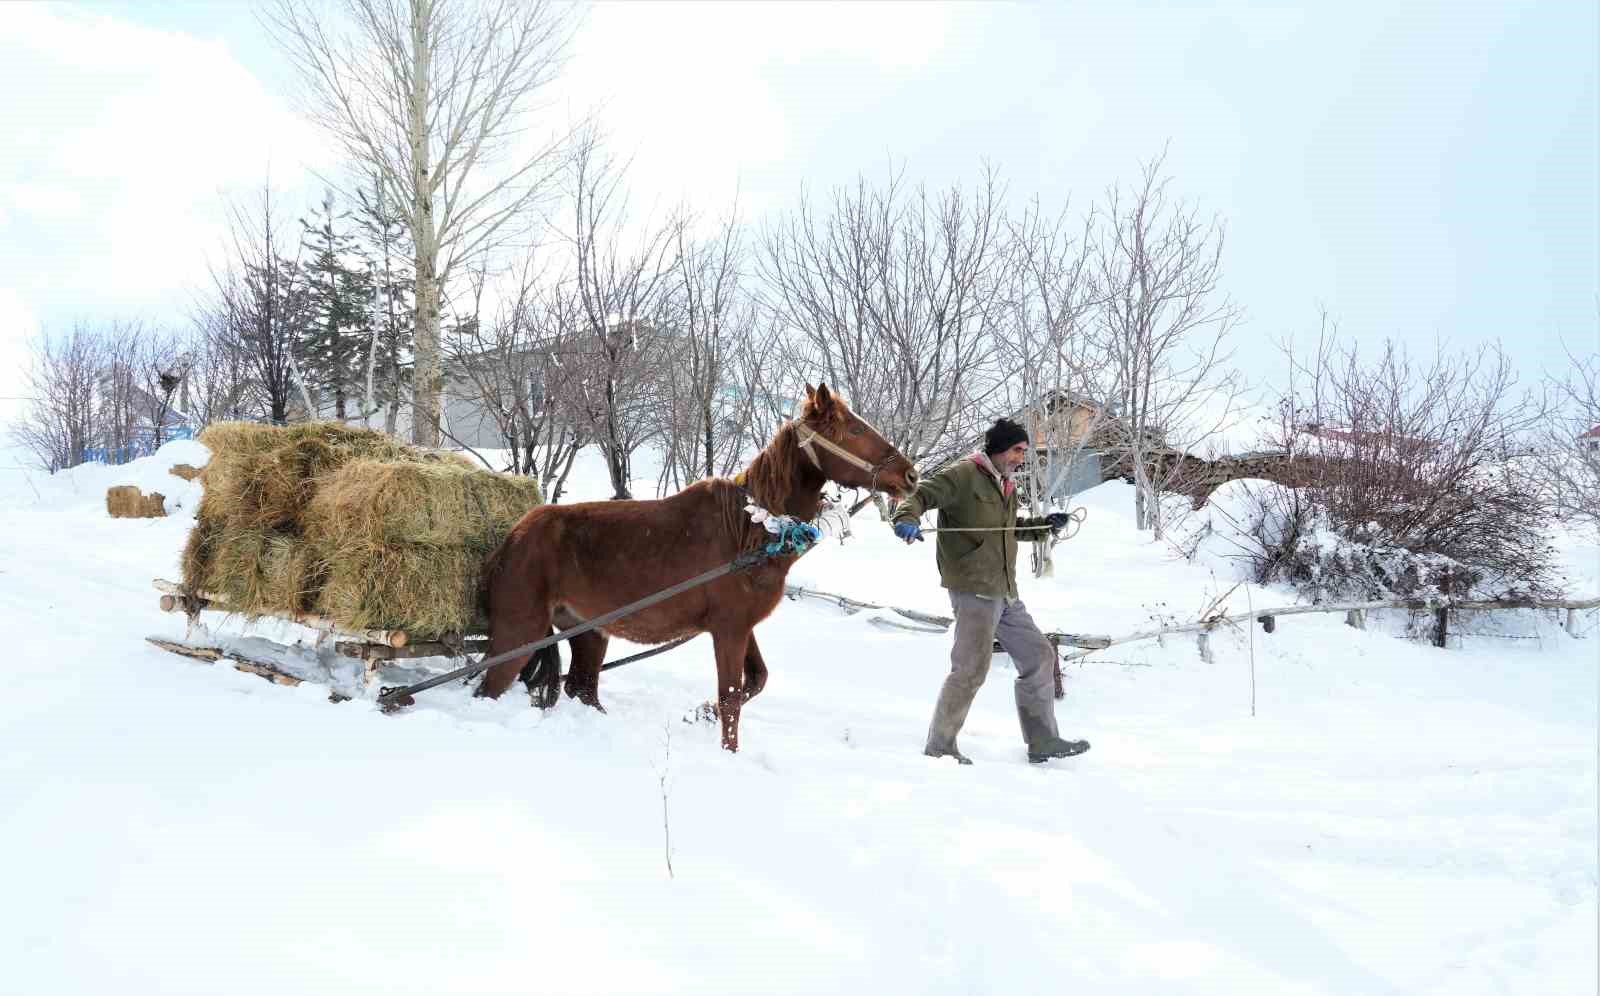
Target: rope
1075, 519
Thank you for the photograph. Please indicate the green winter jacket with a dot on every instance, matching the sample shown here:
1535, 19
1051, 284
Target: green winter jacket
968, 496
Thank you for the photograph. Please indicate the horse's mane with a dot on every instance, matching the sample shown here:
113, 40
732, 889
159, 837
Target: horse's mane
769, 479
772, 475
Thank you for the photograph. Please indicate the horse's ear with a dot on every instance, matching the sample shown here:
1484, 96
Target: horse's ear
811, 393
823, 397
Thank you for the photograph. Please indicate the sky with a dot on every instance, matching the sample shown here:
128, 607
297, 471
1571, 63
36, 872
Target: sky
1423, 171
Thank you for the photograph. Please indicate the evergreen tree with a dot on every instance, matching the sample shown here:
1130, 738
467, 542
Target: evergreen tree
391, 305
332, 353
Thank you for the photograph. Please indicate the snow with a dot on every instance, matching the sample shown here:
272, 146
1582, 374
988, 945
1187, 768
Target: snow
1393, 818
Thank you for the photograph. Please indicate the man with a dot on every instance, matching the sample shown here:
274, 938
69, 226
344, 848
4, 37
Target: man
979, 567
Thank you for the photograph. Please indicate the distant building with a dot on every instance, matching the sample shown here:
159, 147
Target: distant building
1589, 442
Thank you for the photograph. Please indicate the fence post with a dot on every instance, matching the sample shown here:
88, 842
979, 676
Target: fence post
1205, 645
1355, 618
1441, 615
1269, 623
1572, 623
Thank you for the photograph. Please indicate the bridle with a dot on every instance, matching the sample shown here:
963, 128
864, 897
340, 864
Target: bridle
811, 438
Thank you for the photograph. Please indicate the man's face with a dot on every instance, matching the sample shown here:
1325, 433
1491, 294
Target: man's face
1011, 459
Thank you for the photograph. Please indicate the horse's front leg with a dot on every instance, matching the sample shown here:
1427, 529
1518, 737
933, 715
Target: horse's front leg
755, 670
730, 650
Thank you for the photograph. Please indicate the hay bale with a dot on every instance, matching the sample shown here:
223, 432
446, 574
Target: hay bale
263, 476
435, 504
425, 590
293, 570
127, 502
237, 570
122, 501
347, 523
186, 471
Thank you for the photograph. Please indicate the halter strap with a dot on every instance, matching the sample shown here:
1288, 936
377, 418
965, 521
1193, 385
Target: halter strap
810, 438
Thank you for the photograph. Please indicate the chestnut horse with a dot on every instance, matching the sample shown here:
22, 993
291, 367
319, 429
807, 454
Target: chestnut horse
562, 564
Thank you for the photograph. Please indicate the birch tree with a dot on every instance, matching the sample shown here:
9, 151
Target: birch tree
433, 95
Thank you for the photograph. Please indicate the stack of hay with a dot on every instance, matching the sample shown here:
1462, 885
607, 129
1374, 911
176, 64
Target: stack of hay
348, 524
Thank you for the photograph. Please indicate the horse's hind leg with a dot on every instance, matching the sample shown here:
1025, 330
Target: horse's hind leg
583, 678
508, 633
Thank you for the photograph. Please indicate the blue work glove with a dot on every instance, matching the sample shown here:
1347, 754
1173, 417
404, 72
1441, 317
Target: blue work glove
1058, 520
908, 531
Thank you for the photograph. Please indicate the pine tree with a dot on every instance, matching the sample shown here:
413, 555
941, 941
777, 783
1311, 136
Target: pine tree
391, 310
331, 353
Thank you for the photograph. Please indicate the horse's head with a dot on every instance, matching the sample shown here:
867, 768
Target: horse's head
847, 449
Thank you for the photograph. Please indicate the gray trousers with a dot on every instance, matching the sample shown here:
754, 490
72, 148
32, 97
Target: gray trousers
980, 621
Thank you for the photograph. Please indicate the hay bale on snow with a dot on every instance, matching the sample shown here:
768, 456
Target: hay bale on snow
122, 501
125, 501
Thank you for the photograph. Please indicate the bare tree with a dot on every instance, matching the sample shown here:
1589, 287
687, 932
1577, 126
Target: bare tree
432, 95
1569, 443
160, 368
712, 315
120, 399
61, 421
621, 281
1164, 323
1052, 366
260, 304
506, 366
1417, 456
219, 386
888, 295
768, 387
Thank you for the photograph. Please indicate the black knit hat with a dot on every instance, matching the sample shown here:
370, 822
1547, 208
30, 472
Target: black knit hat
1003, 435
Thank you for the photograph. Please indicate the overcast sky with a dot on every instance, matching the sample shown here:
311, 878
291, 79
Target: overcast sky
1423, 170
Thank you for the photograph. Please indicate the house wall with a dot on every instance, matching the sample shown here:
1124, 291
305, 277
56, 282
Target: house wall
1065, 426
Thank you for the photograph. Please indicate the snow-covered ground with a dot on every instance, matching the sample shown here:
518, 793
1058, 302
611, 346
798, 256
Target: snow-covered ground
1393, 818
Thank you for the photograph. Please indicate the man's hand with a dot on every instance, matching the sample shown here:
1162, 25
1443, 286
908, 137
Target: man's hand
908, 531
1058, 520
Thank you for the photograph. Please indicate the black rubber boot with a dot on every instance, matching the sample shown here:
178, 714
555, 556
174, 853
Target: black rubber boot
1055, 747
